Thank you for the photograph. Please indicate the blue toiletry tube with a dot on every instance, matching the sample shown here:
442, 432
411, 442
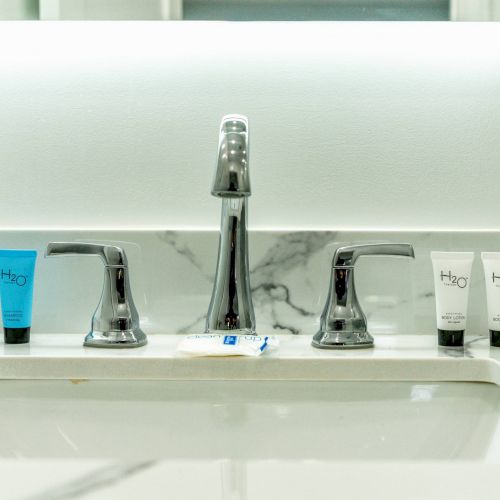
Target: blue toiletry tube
17, 273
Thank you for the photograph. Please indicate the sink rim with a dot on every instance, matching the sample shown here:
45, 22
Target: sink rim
395, 358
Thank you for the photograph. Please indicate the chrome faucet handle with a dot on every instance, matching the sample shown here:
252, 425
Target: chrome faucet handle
115, 322
343, 323
348, 255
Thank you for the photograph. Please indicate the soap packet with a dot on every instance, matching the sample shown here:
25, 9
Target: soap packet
208, 344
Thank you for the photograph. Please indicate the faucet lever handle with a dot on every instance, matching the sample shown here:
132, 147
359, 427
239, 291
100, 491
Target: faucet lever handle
110, 255
116, 321
343, 324
348, 255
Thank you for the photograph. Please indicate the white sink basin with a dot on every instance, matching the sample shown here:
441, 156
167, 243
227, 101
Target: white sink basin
250, 420
290, 424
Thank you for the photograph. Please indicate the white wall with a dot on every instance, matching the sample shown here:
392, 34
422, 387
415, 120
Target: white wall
13, 10
365, 125
110, 9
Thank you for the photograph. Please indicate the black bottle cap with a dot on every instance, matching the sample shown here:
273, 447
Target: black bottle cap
451, 338
495, 338
17, 335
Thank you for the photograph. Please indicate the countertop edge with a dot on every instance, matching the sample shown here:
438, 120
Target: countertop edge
399, 358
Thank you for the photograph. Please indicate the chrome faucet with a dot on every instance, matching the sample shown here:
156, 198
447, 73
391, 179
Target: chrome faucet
115, 322
231, 305
343, 323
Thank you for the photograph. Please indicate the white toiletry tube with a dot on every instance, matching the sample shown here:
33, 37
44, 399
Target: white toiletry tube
451, 283
491, 265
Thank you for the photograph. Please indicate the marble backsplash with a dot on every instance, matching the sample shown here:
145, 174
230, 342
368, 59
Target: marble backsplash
172, 274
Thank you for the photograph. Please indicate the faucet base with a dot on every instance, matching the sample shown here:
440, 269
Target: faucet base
342, 340
116, 339
235, 331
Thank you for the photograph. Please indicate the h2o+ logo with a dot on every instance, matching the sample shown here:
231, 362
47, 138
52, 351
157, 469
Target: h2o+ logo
460, 281
15, 279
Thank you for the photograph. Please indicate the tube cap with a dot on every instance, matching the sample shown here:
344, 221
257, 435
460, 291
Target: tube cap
451, 338
495, 338
17, 335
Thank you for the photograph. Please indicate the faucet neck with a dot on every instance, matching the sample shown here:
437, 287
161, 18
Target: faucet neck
342, 311
116, 320
231, 306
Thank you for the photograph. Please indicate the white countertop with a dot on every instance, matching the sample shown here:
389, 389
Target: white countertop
395, 357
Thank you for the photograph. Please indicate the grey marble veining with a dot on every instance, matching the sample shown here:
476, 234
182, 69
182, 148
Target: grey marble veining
106, 476
172, 274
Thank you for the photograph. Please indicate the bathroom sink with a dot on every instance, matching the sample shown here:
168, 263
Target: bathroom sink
249, 420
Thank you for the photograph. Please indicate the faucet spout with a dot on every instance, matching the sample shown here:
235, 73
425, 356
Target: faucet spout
231, 178
231, 306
